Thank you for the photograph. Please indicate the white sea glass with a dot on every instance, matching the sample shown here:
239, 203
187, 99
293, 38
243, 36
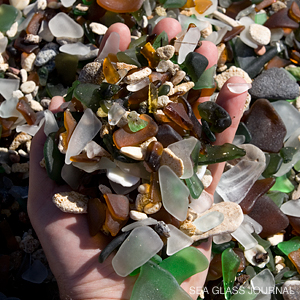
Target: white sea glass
245, 35
8, 86
67, 3
174, 193
3, 44
177, 240
222, 238
142, 244
135, 169
291, 208
8, 108
185, 21
75, 49
115, 113
139, 85
203, 203
88, 167
263, 282
118, 176
86, 129
111, 46
50, 122
209, 221
145, 222
243, 236
252, 225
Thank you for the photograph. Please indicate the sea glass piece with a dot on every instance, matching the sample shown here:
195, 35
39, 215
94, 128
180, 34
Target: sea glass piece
266, 126
289, 246
61, 25
135, 169
135, 123
125, 137
161, 40
230, 265
50, 122
67, 3
287, 153
291, 208
209, 221
294, 257
295, 223
206, 82
283, 184
146, 222
35, 22
177, 113
152, 98
259, 188
195, 64
183, 150
75, 49
111, 46
218, 153
110, 73
280, 19
185, 263
8, 86
278, 197
166, 135
236, 182
153, 155
121, 6
251, 225
267, 214
243, 236
118, 176
150, 54
8, 15
70, 124
263, 282
111, 225
28, 113
95, 215
275, 161
219, 248
87, 128
118, 206
155, 282
289, 115
294, 12
195, 186
115, 113
142, 243
36, 273
177, 240
232, 33
174, 193
63, 62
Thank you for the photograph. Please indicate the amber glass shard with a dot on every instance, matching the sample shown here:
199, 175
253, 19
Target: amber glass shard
118, 206
139, 96
177, 113
281, 20
153, 155
96, 211
155, 194
150, 54
294, 12
202, 5
295, 222
125, 137
82, 157
263, 4
188, 4
294, 256
34, 24
24, 108
277, 62
121, 6
208, 92
6, 124
236, 7
110, 73
70, 124
223, 57
232, 33
152, 98
112, 225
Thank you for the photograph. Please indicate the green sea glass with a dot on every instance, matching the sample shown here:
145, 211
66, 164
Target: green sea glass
289, 246
55, 90
135, 123
43, 75
206, 80
8, 15
87, 94
161, 40
283, 184
90, 35
287, 153
264, 243
219, 248
164, 90
155, 283
297, 166
70, 91
295, 71
260, 17
243, 130
128, 56
172, 3
219, 153
230, 265
195, 186
185, 263
275, 161
278, 197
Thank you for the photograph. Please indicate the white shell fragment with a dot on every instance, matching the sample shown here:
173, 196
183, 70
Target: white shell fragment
291, 208
71, 202
142, 244
118, 176
250, 255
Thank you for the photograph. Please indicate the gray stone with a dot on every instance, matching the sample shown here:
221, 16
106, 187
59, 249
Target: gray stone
91, 73
291, 290
274, 84
46, 54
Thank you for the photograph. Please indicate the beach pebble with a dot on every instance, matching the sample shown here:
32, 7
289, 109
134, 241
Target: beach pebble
13, 30
98, 28
71, 202
28, 87
27, 61
274, 84
19, 4
165, 52
91, 73
260, 34
137, 215
46, 54
291, 290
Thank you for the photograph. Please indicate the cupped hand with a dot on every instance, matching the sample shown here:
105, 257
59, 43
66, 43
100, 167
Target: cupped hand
71, 252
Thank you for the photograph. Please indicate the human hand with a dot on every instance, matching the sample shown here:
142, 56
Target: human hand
71, 252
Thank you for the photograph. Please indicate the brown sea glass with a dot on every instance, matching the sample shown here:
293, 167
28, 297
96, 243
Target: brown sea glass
177, 113
154, 193
35, 23
153, 155
125, 137
138, 97
118, 205
21, 46
240, 254
263, 4
7, 124
150, 54
277, 62
280, 19
96, 211
295, 57
24, 108
111, 225
265, 125
294, 256
267, 213
294, 12
236, 7
167, 135
259, 188
232, 33
163, 77
110, 73
295, 222
215, 268
121, 6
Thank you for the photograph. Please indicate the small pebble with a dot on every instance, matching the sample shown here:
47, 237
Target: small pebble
46, 54
24, 75
260, 34
27, 61
98, 28
292, 290
165, 52
137, 215
19, 4
13, 30
28, 87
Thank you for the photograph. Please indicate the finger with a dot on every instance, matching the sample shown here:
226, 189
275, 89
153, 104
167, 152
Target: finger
234, 105
210, 51
171, 26
124, 33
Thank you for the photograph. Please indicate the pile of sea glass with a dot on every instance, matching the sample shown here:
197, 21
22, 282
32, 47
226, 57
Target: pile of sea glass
127, 141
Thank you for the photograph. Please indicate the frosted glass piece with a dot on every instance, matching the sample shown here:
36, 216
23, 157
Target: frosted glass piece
291, 208
213, 37
222, 238
121, 190
86, 129
61, 25
50, 122
289, 115
177, 240
201, 171
36, 273
8, 86
139, 85
216, 23
251, 223
188, 43
8, 108
221, 34
135, 169
244, 237
29, 129
67, 3
118, 176
145, 222
111, 46
183, 150
174, 193
236, 182
203, 203
75, 49
142, 244
276, 35
3, 44
293, 141
88, 167
209, 221
93, 149
185, 21
263, 282
115, 113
